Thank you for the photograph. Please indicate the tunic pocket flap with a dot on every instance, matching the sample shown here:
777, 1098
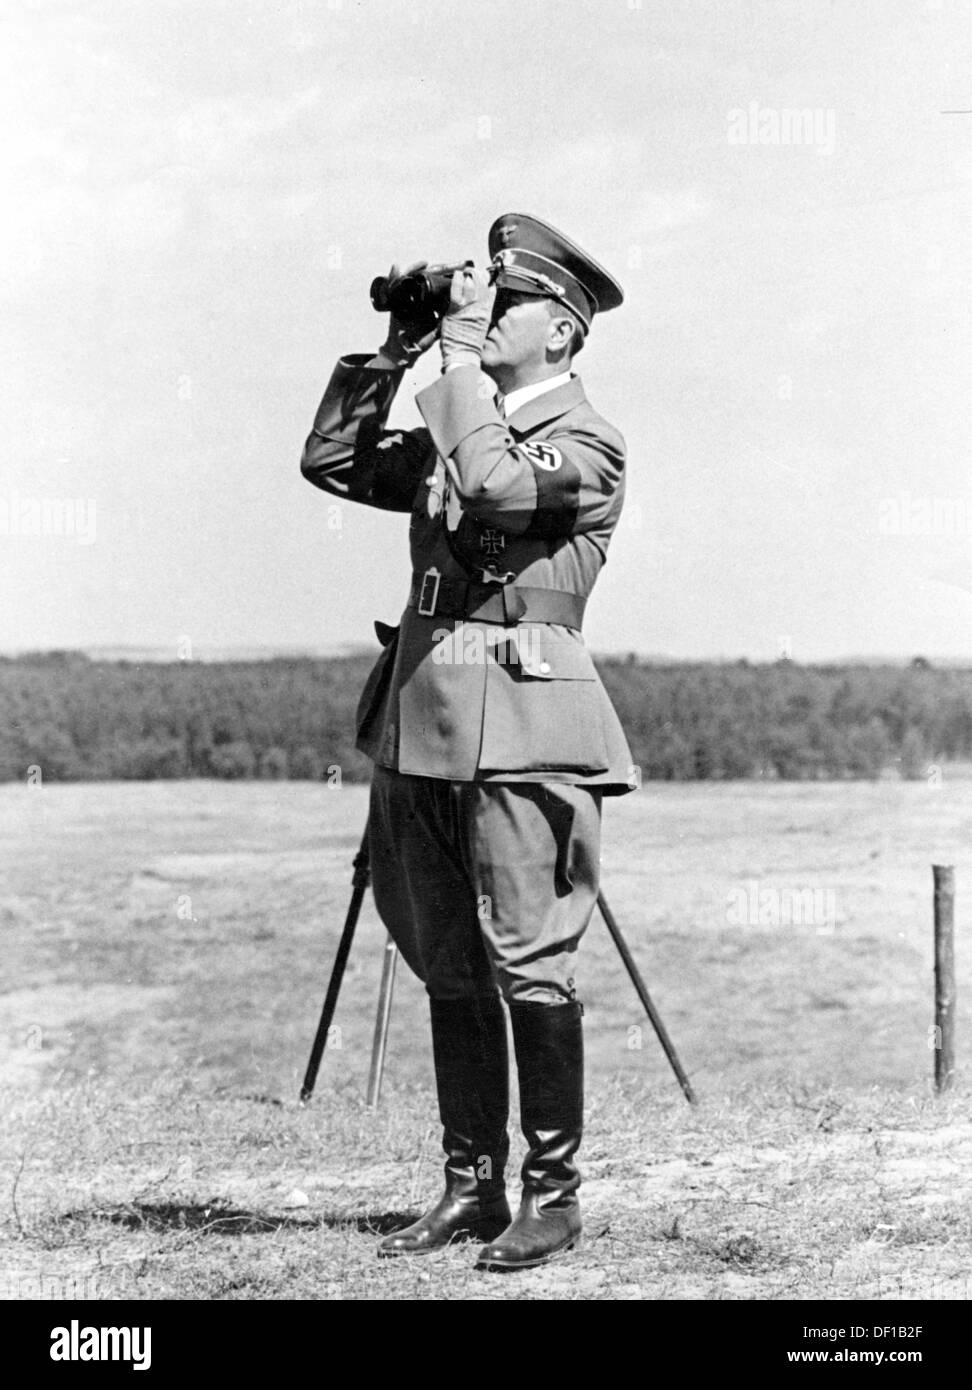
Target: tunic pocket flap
560, 661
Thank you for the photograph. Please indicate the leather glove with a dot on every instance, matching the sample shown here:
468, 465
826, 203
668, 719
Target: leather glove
466, 321
401, 348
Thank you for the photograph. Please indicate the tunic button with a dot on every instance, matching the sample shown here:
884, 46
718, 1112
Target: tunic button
545, 668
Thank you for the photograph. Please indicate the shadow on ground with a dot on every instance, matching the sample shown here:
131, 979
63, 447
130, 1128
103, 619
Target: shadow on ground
219, 1219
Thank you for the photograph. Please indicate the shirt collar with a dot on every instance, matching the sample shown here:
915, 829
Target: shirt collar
522, 394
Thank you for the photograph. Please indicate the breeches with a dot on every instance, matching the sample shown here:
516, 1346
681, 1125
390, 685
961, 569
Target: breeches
486, 884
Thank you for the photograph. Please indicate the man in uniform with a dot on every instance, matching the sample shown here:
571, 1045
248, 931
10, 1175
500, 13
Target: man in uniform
492, 737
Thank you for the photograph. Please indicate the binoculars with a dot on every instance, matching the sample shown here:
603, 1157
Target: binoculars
419, 299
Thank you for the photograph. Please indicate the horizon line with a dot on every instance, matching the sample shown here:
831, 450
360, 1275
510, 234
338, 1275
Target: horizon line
269, 652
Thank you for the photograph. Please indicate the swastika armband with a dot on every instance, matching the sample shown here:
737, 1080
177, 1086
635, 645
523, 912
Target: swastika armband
558, 490
543, 455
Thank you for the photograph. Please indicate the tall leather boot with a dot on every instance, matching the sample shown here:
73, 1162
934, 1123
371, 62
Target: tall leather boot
550, 1061
473, 1082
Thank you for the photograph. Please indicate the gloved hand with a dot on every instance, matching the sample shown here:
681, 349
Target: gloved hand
467, 319
401, 347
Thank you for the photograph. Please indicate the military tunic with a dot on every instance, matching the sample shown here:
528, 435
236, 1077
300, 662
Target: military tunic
523, 508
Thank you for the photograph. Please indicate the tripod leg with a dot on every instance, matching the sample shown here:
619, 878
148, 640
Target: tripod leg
382, 1021
645, 997
360, 882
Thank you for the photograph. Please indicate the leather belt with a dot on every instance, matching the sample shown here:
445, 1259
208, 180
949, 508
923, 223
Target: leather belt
436, 597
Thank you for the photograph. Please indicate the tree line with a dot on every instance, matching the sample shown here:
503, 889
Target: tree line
74, 718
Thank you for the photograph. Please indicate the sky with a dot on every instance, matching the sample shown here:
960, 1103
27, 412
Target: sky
196, 196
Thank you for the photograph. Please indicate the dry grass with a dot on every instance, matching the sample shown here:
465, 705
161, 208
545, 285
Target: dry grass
169, 946
176, 1194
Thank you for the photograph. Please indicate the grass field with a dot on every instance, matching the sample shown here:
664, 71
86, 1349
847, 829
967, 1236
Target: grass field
166, 947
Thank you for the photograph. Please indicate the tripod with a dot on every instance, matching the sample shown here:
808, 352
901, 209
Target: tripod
360, 880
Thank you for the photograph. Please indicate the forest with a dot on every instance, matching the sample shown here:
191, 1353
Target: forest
66, 717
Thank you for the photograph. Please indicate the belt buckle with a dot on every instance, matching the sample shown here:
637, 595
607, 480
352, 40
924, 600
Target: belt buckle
426, 604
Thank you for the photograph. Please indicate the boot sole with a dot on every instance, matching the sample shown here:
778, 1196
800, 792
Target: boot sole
507, 1266
458, 1238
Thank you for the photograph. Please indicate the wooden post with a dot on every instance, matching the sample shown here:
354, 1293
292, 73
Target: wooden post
944, 875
